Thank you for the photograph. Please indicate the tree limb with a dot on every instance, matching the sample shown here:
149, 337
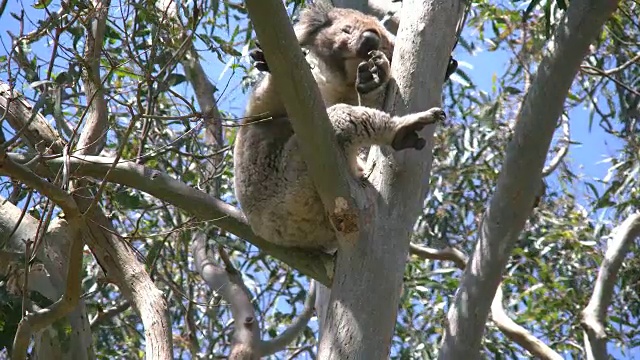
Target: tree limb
594, 316
510, 328
278, 343
228, 282
316, 264
520, 176
563, 143
20, 173
53, 255
106, 315
94, 132
37, 321
517, 333
18, 110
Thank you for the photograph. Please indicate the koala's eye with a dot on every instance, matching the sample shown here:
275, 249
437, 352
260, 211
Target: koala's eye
347, 29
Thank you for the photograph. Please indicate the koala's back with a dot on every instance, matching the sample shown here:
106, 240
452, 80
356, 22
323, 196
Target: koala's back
274, 188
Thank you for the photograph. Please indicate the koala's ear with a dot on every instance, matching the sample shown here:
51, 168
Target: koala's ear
312, 19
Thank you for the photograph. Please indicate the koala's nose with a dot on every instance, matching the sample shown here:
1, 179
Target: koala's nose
369, 41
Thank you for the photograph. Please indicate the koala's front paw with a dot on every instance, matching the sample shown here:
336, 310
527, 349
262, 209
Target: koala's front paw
406, 136
373, 73
259, 61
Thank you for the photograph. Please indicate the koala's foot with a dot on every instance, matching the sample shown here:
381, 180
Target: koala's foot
406, 136
259, 61
373, 73
451, 68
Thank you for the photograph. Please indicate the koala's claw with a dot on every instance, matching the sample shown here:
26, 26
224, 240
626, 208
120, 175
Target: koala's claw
406, 136
372, 73
259, 61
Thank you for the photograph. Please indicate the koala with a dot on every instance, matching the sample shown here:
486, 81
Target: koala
340, 44
349, 53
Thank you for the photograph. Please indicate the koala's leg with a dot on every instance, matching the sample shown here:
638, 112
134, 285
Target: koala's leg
372, 79
359, 126
259, 60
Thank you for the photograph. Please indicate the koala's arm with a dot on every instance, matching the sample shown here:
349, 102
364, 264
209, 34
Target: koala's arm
264, 101
359, 126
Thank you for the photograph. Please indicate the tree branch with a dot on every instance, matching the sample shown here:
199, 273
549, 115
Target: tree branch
594, 316
228, 282
517, 333
37, 321
114, 256
454, 255
18, 110
106, 315
316, 264
563, 143
20, 173
520, 176
94, 132
510, 328
278, 343
53, 255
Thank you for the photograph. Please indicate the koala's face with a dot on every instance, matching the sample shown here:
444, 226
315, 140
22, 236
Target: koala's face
342, 38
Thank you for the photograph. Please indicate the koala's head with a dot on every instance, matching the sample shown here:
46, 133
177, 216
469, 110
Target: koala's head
341, 38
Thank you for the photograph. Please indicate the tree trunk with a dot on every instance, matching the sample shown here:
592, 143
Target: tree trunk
368, 279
